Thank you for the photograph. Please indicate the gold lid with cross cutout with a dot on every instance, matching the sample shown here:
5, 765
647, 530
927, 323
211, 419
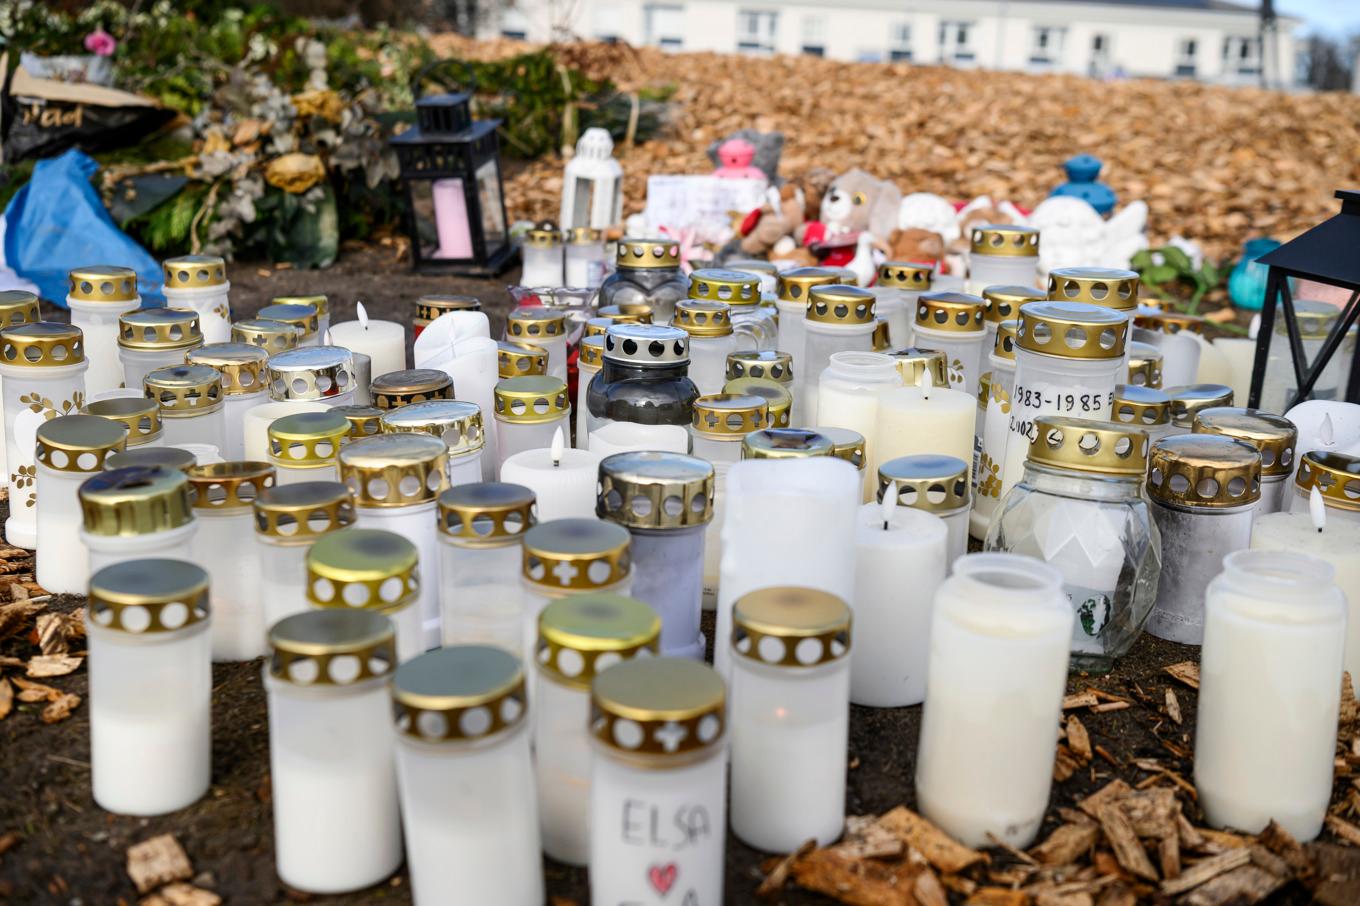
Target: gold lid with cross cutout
1005, 240
1107, 287
1273, 436
700, 318
271, 336
412, 385
42, 344
796, 285
310, 373
655, 490
580, 636
771, 364
139, 415
1191, 398
149, 597
950, 312
103, 283
712, 284
635, 253
1169, 322
530, 400
591, 353
534, 324
78, 444
195, 272
788, 626
914, 361
159, 328
370, 569
776, 396
1002, 303
241, 365
1140, 406
364, 421
908, 275
486, 514
785, 443
730, 416
332, 647
571, 555
136, 500
305, 316
1103, 448
229, 487
1072, 330
1145, 364
839, 303
457, 423
301, 512
658, 706
520, 359
18, 306
1335, 475
462, 693
927, 481
430, 307
393, 470
307, 440
1204, 470
184, 391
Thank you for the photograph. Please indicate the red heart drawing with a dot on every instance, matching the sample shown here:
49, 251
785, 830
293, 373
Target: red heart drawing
662, 877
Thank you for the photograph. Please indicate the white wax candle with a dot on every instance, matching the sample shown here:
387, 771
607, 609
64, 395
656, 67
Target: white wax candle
563, 479
382, 341
1239, 354
1326, 425
471, 363
627, 437
918, 419
1214, 366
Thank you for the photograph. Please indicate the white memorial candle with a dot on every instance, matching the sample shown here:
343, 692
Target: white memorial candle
382, 341
1337, 476
563, 479
481, 527
848, 392
98, 295
256, 421
936, 484
199, 283
374, 570
923, 419
287, 521
792, 289
545, 328
1002, 253
839, 318
952, 323
69, 449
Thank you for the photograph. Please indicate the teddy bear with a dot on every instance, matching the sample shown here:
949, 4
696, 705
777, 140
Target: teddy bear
856, 202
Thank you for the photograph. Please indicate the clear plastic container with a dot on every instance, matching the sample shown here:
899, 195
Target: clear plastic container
822, 341
481, 600
848, 391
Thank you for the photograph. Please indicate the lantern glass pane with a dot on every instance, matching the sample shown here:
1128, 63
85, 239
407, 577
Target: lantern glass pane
581, 199
493, 210
441, 218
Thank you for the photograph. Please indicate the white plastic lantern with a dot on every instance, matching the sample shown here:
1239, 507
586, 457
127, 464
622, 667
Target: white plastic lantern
255, 424
199, 283
588, 364
1174, 336
990, 449
838, 318
136, 512
952, 323
98, 295
592, 184
397, 389
69, 449
288, 520
371, 570
529, 410
192, 408
151, 338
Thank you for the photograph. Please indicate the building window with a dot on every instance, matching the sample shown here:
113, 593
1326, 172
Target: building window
604, 22
1046, 45
1242, 55
814, 36
514, 24
664, 25
900, 49
756, 30
1100, 55
1185, 58
956, 42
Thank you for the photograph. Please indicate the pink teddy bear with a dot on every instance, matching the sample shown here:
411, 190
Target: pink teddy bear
736, 155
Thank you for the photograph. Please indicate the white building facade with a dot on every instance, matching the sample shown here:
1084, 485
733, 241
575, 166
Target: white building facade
1208, 40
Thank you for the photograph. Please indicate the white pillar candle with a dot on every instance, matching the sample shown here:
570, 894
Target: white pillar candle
242, 367
1326, 426
68, 450
1002, 253
838, 319
287, 521
134, 513
1275, 626
374, 570
562, 479
1336, 476
1180, 351
16, 307
98, 295
848, 393
1001, 305
545, 328
1240, 355
997, 672
199, 283
923, 419
256, 421
936, 484
528, 411
952, 323
150, 663
192, 409
792, 288
332, 765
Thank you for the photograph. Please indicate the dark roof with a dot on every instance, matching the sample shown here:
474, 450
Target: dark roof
1329, 251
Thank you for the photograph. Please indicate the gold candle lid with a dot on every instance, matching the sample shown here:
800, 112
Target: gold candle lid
845, 444
984, 389
568, 555
136, 500
908, 275
1002, 303
305, 316
364, 568
456, 422
530, 400
1169, 322
462, 693
913, 361
845, 276
665, 706
1005, 240
839, 303
646, 344
796, 285
1003, 347
332, 647
412, 385
1315, 319
788, 626
172, 458
1335, 475
159, 328
78, 444
927, 481
596, 327
777, 397
1191, 398
140, 416
184, 391
486, 514
18, 307
432, 306
626, 313
1204, 470
654, 490
319, 301
195, 272
1104, 448
240, 364
881, 341
729, 416
703, 319
1143, 406
310, 373
731, 287
543, 235
1107, 287
520, 359
42, 344
145, 597
763, 363
364, 421
271, 336
530, 324
391, 470
584, 235
950, 312
103, 283
229, 486
1072, 330
580, 636
307, 440
592, 353
785, 443
301, 512
639, 253
1273, 436
1145, 364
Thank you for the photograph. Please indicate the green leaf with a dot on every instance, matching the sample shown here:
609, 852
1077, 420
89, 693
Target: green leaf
1174, 257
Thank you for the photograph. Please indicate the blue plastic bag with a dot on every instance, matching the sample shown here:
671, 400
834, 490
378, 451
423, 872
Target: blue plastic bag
58, 222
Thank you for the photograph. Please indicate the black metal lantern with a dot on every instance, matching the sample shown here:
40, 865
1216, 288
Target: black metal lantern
450, 167
1325, 254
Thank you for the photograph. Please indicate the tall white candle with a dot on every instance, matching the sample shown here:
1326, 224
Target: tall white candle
849, 389
923, 419
382, 341
563, 479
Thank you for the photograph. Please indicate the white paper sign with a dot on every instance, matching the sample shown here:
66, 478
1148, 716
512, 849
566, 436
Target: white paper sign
701, 203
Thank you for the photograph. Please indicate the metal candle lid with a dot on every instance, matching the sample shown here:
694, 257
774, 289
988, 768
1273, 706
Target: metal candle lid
332, 647
1003, 347
305, 317
1141, 406
364, 421
596, 327
776, 396
791, 627
1006, 240
646, 344
659, 706
240, 364
1072, 330
654, 490
165, 457
184, 391
18, 307
1273, 436
310, 373
796, 285
1335, 475
647, 253
567, 555
103, 284
530, 400
307, 440
140, 416
626, 313
591, 353
535, 324
1204, 470
195, 272
319, 301
580, 636
144, 597
363, 568
271, 336
228, 487
1190, 399
78, 444
520, 359
412, 385
881, 340
951, 312
543, 235
763, 363
137, 500
713, 284
456, 422
486, 514
703, 319
837, 303
927, 481
914, 361
42, 344
430, 307
1115, 288
159, 328
1145, 364
392, 470
584, 235
300, 513
1104, 448
845, 444
1315, 319
907, 275
459, 694
785, 443
1168, 322
730, 416
1002, 303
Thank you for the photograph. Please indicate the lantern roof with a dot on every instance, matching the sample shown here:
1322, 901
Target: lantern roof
1327, 252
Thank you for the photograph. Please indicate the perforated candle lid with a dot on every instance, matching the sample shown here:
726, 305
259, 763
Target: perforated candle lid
152, 596
1140, 406
103, 283
785, 443
626, 313
165, 457
596, 327
655, 490
140, 416
240, 364
271, 336
1005, 239
1335, 475
845, 444
591, 352
790, 627
159, 328
520, 359
462, 693
393, 470
487, 513
913, 361
927, 481
184, 391
363, 568
195, 272
543, 235
223, 487
432, 306
1204, 470
304, 316
1191, 398
18, 306
318, 301
950, 312
727, 286
1273, 436
1115, 288
1003, 347
1170, 322
364, 421
1106, 448
535, 323
299, 513
307, 440
310, 373
579, 636
528, 400
584, 235
908, 275
457, 423
700, 318
636, 252
776, 396
839, 303
771, 364
1002, 303
646, 344
412, 385
796, 285
1145, 364
658, 706
1072, 330
569, 555
42, 344
136, 500
729, 415
331, 647
78, 444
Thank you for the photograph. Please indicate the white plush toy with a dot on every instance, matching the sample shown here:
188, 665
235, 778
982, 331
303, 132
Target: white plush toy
1073, 234
926, 211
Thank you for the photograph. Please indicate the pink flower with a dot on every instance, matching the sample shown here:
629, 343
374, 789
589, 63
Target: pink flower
100, 43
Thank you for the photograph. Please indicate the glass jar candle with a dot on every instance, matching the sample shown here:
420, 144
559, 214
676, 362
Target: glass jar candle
646, 271
657, 792
1002, 253
996, 413
331, 750
139, 415
1000, 305
133, 512
1173, 335
433, 306
191, 399
397, 389
322, 374
372, 570
271, 336
199, 283
151, 338
1145, 365
1188, 400
529, 410
1273, 436
98, 295
793, 290
146, 627
304, 446
643, 379
223, 495
838, 318
936, 484
288, 519
848, 391
998, 646
952, 323
585, 257
1280, 386
364, 421
1204, 489
545, 328
69, 449
899, 285
577, 635
244, 387
721, 421
666, 502
777, 398
588, 364
519, 360
457, 423
913, 362
569, 556
466, 778
1337, 478
790, 717
711, 340
305, 316
16, 307
1274, 635
396, 479
1080, 508
752, 325
1146, 408
541, 256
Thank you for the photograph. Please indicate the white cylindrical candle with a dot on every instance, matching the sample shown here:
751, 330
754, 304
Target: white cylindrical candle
256, 421
991, 450
373, 570
199, 283
1336, 476
528, 411
1170, 333
1240, 353
711, 340
151, 338
16, 307
134, 513
923, 419
899, 285
541, 257
628, 437
545, 328
792, 289
562, 479
936, 484
1002, 253
1274, 630
243, 387
472, 362
384, 342
191, 403
97, 296
997, 671
721, 421
838, 318
304, 446
69, 449
848, 393
585, 257
952, 324
287, 521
